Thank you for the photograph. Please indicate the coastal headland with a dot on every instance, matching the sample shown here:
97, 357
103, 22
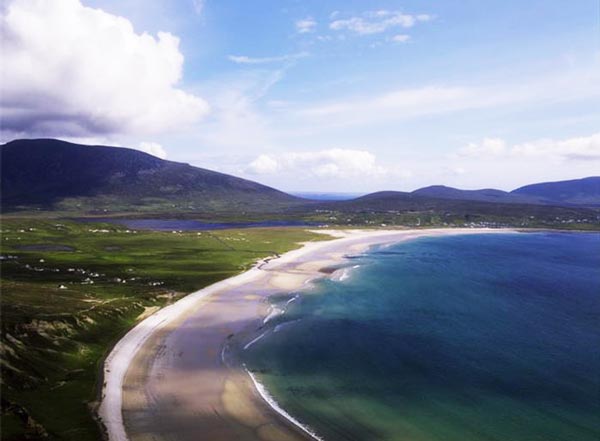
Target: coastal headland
177, 376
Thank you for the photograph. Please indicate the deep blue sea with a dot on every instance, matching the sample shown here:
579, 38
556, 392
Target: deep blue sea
476, 337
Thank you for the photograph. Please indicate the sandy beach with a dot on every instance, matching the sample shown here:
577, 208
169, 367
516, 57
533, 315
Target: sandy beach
175, 375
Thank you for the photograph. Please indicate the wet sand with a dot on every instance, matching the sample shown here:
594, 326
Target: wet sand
175, 376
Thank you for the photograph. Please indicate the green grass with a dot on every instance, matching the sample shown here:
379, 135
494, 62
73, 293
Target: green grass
57, 326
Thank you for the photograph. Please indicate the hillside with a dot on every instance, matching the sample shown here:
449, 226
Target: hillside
411, 202
400, 208
46, 174
53, 174
584, 191
483, 195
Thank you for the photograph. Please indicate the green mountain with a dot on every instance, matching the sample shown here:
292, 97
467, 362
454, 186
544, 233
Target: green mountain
484, 195
584, 191
58, 175
410, 209
396, 201
47, 174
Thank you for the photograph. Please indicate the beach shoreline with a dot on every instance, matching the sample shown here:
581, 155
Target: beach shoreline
170, 376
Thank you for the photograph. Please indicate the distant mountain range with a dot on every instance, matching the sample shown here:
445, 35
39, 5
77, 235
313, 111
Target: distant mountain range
575, 192
49, 174
584, 192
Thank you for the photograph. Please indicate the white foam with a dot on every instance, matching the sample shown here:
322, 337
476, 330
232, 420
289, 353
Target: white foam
265, 395
255, 340
274, 312
283, 325
345, 275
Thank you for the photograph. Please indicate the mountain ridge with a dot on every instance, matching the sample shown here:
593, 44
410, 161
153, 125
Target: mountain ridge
51, 174
583, 191
58, 174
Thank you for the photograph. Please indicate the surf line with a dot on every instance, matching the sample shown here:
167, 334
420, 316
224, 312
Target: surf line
255, 340
265, 395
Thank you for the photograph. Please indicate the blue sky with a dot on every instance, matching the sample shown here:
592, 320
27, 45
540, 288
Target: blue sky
339, 95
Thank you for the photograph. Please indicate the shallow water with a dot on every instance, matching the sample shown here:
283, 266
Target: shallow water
193, 225
45, 247
483, 337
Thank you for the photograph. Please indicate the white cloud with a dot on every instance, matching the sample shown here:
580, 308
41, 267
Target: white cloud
153, 149
263, 165
243, 59
332, 163
496, 163
583, 148
487, 147
306, 25
71, 70
400, 38
376, 22
397, 103
405, 103
237, 121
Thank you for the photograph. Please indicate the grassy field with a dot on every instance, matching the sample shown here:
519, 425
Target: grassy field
69, 291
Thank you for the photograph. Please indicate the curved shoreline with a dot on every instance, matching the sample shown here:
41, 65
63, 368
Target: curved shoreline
142, 372
117, 362
264, 393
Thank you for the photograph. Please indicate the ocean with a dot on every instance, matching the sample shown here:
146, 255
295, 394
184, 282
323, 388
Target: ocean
475, 337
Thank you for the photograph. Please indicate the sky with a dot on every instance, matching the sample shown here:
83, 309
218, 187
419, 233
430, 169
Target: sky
324, 96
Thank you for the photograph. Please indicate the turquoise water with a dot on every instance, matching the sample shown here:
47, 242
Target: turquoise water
486, 337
